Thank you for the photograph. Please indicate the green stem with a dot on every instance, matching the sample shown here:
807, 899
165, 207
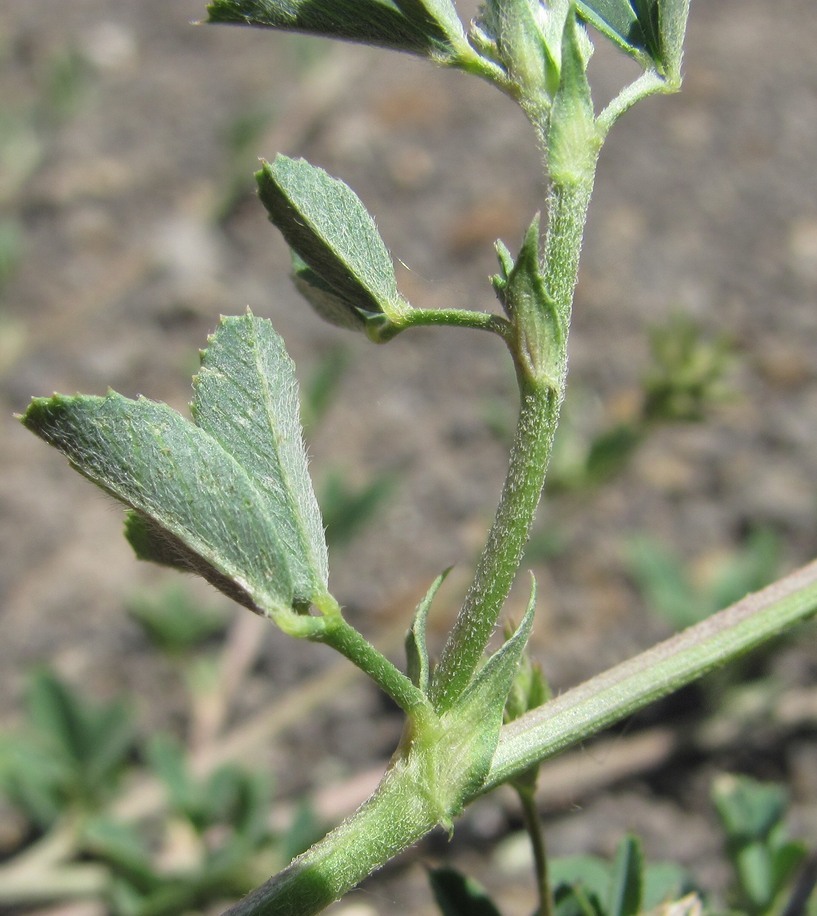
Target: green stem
649, 83
502, 553
400, 812
345, 639
541, 399
458, 318
533, 826
609, 697
394, 818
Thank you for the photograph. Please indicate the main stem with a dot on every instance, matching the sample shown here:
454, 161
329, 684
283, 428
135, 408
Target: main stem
541, 391
395, 817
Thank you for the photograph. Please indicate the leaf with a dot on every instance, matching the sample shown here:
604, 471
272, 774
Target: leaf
748, 809
672, 24
623, 23
327, 303
652, 31
178, 478
425, 27
416, 647
229, 498
626, 879
350, 277
472, 725
458, 895
246, 398
91, 740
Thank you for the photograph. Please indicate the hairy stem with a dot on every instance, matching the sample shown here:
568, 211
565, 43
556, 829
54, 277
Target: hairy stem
400, 812
394, 818
619, 692
536, 427
345, 639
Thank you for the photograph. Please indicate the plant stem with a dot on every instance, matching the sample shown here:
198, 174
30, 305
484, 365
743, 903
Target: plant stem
609, 697
458, 318
541, 392
400, 813
533, 825
395, 817
345, 639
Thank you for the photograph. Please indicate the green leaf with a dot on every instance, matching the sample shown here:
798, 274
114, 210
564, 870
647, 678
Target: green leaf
628, 24
425, 27
748, 809
672, 24
89, 741
324, 299
416, 647
188, 489
575, 901
230, 498
626, 879
342, 265
458, 895
590, 874
515, 26
652, 31
472, 725
246, 398
535, 315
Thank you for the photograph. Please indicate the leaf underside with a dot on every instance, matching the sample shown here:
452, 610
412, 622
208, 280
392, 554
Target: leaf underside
405, 26
226, 496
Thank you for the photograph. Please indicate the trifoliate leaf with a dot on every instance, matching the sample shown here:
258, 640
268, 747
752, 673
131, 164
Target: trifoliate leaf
426, 27
332, 233
226, 496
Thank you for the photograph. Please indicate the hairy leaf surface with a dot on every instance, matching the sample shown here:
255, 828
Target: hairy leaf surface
652, 31
332, 233
227, 496
418, 26
246, 398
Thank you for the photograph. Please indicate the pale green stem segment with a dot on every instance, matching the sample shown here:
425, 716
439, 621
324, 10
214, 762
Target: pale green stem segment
394, 818
345, 639
541, 398
400, 812
536, 834
609, 697
458, 318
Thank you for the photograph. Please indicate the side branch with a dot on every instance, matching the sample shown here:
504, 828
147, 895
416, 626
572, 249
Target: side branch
619, 692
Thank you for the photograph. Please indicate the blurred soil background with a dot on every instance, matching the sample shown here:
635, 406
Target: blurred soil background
128, 137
